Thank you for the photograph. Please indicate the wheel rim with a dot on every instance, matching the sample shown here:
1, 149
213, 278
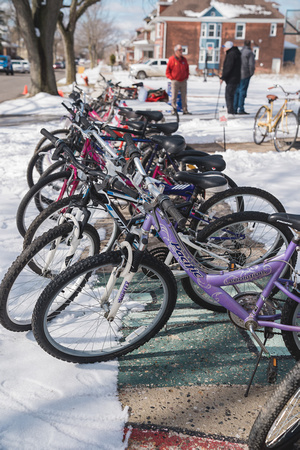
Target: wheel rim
286, 428
90, 334
286, 132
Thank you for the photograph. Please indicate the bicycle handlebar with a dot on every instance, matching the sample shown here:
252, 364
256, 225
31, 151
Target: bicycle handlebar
113, 182
163, 200
285, 92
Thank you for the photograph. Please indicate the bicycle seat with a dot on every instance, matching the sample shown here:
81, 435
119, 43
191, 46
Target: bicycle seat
165, 128
204, 180
272, 97
172, 144
151, 115
204, 163
291, 220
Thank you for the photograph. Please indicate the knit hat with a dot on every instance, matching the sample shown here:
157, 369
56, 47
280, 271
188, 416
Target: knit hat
228, 44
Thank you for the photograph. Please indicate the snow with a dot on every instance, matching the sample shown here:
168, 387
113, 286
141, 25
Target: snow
46, 403
230, 11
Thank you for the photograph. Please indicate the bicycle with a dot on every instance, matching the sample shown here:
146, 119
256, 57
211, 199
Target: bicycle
278, 423
284, 124
129, 295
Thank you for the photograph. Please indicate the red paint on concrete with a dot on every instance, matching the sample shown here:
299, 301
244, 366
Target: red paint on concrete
163, 440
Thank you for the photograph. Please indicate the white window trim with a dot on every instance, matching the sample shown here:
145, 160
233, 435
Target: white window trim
203, 29
273, 29
158, 30
243, 31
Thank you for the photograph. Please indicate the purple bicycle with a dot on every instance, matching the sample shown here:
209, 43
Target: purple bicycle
128, 295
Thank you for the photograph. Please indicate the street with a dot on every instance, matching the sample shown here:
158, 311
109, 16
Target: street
13, 86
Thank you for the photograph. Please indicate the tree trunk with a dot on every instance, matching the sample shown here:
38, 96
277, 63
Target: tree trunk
68, 40
38, 25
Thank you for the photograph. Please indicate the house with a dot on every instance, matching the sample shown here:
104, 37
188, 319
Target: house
203, 26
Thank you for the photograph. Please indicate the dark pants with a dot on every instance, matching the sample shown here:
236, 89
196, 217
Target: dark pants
240, 95
229, 96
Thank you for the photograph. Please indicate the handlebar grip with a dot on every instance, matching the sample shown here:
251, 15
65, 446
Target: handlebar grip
49, 136
110, 132
132, 150
117, 184
168, 206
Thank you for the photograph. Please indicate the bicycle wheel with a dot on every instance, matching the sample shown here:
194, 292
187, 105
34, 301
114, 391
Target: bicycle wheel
286, 132
39, 163
290, 316
278, 423
107, 228
36, 267
260, 129
238, 200
39, 197
236, 241
80, 332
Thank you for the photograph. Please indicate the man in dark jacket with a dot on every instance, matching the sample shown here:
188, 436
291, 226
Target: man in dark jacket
247, 70
231, 73
178, 72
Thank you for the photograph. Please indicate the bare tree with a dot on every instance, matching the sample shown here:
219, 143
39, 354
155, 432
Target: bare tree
72, 13
37, 20
96, 32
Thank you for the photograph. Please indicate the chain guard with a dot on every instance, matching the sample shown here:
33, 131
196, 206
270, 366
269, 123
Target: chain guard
248, 300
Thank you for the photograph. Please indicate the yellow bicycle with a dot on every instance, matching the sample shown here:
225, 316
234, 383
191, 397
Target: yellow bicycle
284, 124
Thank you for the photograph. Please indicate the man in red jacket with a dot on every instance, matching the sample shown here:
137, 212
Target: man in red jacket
178, 72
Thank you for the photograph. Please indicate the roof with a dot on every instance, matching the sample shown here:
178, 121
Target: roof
250, 9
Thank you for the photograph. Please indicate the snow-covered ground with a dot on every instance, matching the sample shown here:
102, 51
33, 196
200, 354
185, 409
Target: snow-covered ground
46, 403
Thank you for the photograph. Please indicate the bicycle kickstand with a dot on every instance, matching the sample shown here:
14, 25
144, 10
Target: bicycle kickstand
268, 334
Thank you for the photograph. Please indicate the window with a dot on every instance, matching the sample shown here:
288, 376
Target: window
240, 29
185, 49
203, 29
211, 30
273, 29
154, 63
256, 52
163, 63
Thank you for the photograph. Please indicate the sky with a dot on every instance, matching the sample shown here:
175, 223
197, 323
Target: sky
67, 406
129, 14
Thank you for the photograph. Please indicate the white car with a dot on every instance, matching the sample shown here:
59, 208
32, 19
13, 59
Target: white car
20, 65
151, 68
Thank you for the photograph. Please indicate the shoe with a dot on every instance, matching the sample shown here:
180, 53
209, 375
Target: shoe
243, 113
187, 112
231, 116
173, 113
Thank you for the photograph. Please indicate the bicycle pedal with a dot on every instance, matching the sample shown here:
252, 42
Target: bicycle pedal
272, 370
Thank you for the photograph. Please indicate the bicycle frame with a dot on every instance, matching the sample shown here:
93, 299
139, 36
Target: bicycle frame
211, 283
272, 121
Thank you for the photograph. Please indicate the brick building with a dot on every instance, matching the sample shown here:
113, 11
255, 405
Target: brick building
202, 27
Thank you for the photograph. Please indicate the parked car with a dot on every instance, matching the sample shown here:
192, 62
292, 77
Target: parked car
6, 65
59, 65
20, 65
151, 68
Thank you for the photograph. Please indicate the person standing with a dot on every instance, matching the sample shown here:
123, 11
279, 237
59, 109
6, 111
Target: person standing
231, 73
247, 71
178, 72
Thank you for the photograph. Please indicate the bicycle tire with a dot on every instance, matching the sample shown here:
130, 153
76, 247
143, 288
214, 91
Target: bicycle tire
260, 132
235, 252
25, 280
144, 312
239, 199
270, 430
39, 145
289, 315
107, 228
40, 196
37, 163
286, 132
